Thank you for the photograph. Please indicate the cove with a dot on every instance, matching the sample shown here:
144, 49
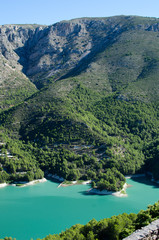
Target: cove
42, 209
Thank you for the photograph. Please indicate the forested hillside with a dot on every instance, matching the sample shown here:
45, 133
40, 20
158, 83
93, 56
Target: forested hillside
80, 99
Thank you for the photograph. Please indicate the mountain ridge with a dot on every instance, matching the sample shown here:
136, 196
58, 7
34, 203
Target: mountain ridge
55, 57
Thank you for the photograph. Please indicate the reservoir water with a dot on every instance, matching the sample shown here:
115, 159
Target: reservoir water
42, 209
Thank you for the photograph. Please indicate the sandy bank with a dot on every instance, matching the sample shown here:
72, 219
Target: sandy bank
3, 185
86, 182
23, 184
33, 182
74, 183
121, 193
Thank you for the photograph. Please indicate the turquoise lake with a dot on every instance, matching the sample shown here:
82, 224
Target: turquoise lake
42, 209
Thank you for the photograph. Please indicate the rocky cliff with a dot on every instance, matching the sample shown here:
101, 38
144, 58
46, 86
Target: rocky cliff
43, 52
109, 52
150, 232
14, 84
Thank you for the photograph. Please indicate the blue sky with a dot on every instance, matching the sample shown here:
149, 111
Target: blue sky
50, 11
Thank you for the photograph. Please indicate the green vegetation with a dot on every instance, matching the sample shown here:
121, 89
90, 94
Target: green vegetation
81, 135
14, 96
17, 164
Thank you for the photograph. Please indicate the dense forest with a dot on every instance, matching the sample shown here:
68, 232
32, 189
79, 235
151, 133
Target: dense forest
111, 138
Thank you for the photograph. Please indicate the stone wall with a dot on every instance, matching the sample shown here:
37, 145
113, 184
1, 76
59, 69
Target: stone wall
150, 232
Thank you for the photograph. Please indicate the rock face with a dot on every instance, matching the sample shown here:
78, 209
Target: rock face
40, 54
12, 39
52, 51
150, 232
14, 84
43, 52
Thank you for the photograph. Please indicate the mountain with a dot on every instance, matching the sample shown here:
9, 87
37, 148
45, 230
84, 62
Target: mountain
14, 84
127, 47
80, 98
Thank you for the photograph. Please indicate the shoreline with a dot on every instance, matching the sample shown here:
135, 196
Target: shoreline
33, 182
142, 175
23, 184
72, 183
2, 185
95, 191
121, 193
135, 176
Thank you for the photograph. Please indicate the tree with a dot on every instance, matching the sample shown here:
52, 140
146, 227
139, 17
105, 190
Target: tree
143, 219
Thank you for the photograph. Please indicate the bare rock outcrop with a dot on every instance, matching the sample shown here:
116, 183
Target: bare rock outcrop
150, 232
